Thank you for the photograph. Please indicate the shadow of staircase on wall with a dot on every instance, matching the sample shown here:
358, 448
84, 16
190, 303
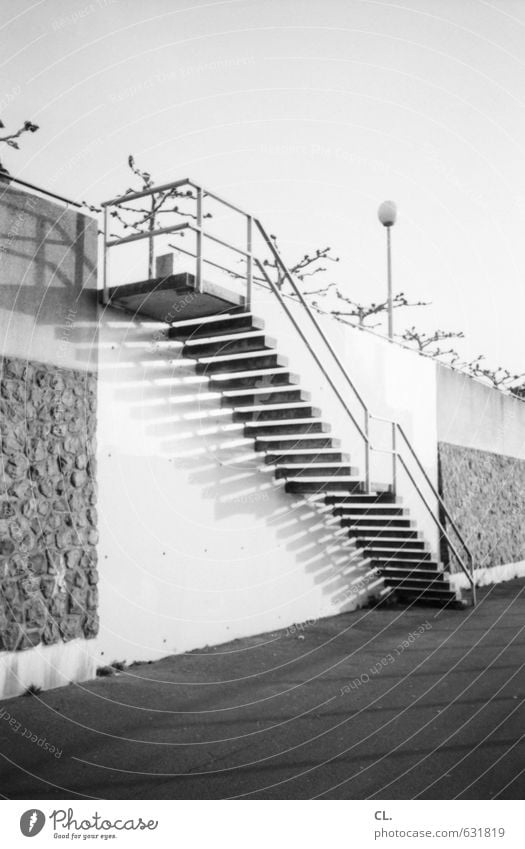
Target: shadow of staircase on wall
243, 365
189, 421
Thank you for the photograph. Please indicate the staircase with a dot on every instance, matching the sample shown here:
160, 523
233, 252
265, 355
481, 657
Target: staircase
243, 365
228, 345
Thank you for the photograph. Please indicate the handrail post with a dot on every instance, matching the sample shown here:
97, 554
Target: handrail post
249, 262
151, 247
367, 451
394, 458
198, 258
105, 269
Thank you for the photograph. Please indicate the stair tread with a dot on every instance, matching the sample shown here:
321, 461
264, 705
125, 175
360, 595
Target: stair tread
359, 520
394, 559
323, 478
264, 408
256, 372
261, 390
209, 319
306, 465
290, 437
438, 578
243, 355
319, 453
404, 543
365, 530
277, 422
224, 337
404, 549
387, 570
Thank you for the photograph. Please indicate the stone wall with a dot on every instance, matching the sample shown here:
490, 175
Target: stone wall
485, 492
48, 516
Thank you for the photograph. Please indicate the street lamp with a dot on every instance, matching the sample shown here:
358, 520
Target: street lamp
387, 214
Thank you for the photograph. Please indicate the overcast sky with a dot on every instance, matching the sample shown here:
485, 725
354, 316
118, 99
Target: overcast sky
309, 113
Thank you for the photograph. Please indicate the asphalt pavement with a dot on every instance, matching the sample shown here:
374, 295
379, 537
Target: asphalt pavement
389, 703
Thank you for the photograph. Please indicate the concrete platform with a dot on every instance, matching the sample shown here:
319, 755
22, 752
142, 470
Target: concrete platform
174, 298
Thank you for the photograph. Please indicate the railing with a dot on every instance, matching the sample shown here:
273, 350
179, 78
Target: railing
6, 179
401, 450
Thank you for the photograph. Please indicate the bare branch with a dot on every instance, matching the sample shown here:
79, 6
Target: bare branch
422, 340
10, 138
362, 312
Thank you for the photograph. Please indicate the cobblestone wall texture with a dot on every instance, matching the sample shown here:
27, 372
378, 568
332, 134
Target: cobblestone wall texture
48, 521
485, 493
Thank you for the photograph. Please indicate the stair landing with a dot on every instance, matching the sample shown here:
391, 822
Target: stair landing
174, 298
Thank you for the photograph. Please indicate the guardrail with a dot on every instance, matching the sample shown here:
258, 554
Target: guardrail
6, 179
401, 451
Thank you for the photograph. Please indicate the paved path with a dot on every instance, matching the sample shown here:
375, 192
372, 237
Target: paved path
389, 703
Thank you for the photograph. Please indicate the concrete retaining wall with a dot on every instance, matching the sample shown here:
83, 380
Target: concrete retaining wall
48, 536
481, 448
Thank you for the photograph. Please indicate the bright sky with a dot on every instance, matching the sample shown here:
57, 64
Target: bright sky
308, 113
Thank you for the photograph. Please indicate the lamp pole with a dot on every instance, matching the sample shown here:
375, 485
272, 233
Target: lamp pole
387, 214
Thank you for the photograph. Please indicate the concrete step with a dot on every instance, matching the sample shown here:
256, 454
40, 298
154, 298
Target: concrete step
376, 511
379, 532
263, 395
225, 345
426, 595
261, 412
374, 499
410, 550
295, 442
284, 426
408, 571
318, 485
238, 363
397, 560
398, 545
366, 522
227, 323
418, 584
329, 470
256, 378
306, 455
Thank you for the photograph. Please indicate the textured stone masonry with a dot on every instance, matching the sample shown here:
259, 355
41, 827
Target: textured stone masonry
485, 493
48, 520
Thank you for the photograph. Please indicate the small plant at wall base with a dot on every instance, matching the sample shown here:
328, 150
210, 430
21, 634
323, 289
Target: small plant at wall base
11, 140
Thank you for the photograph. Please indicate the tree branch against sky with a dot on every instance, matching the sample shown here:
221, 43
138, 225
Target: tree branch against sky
10, 139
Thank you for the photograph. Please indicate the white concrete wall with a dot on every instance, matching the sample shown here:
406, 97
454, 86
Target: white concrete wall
198, 544
478, 416
46, 667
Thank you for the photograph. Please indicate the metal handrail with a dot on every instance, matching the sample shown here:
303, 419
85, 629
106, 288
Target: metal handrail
399, 428
248, 255
468, 573
277, 293
7, 179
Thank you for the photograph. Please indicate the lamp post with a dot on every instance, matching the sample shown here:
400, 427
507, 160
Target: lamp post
387, 214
